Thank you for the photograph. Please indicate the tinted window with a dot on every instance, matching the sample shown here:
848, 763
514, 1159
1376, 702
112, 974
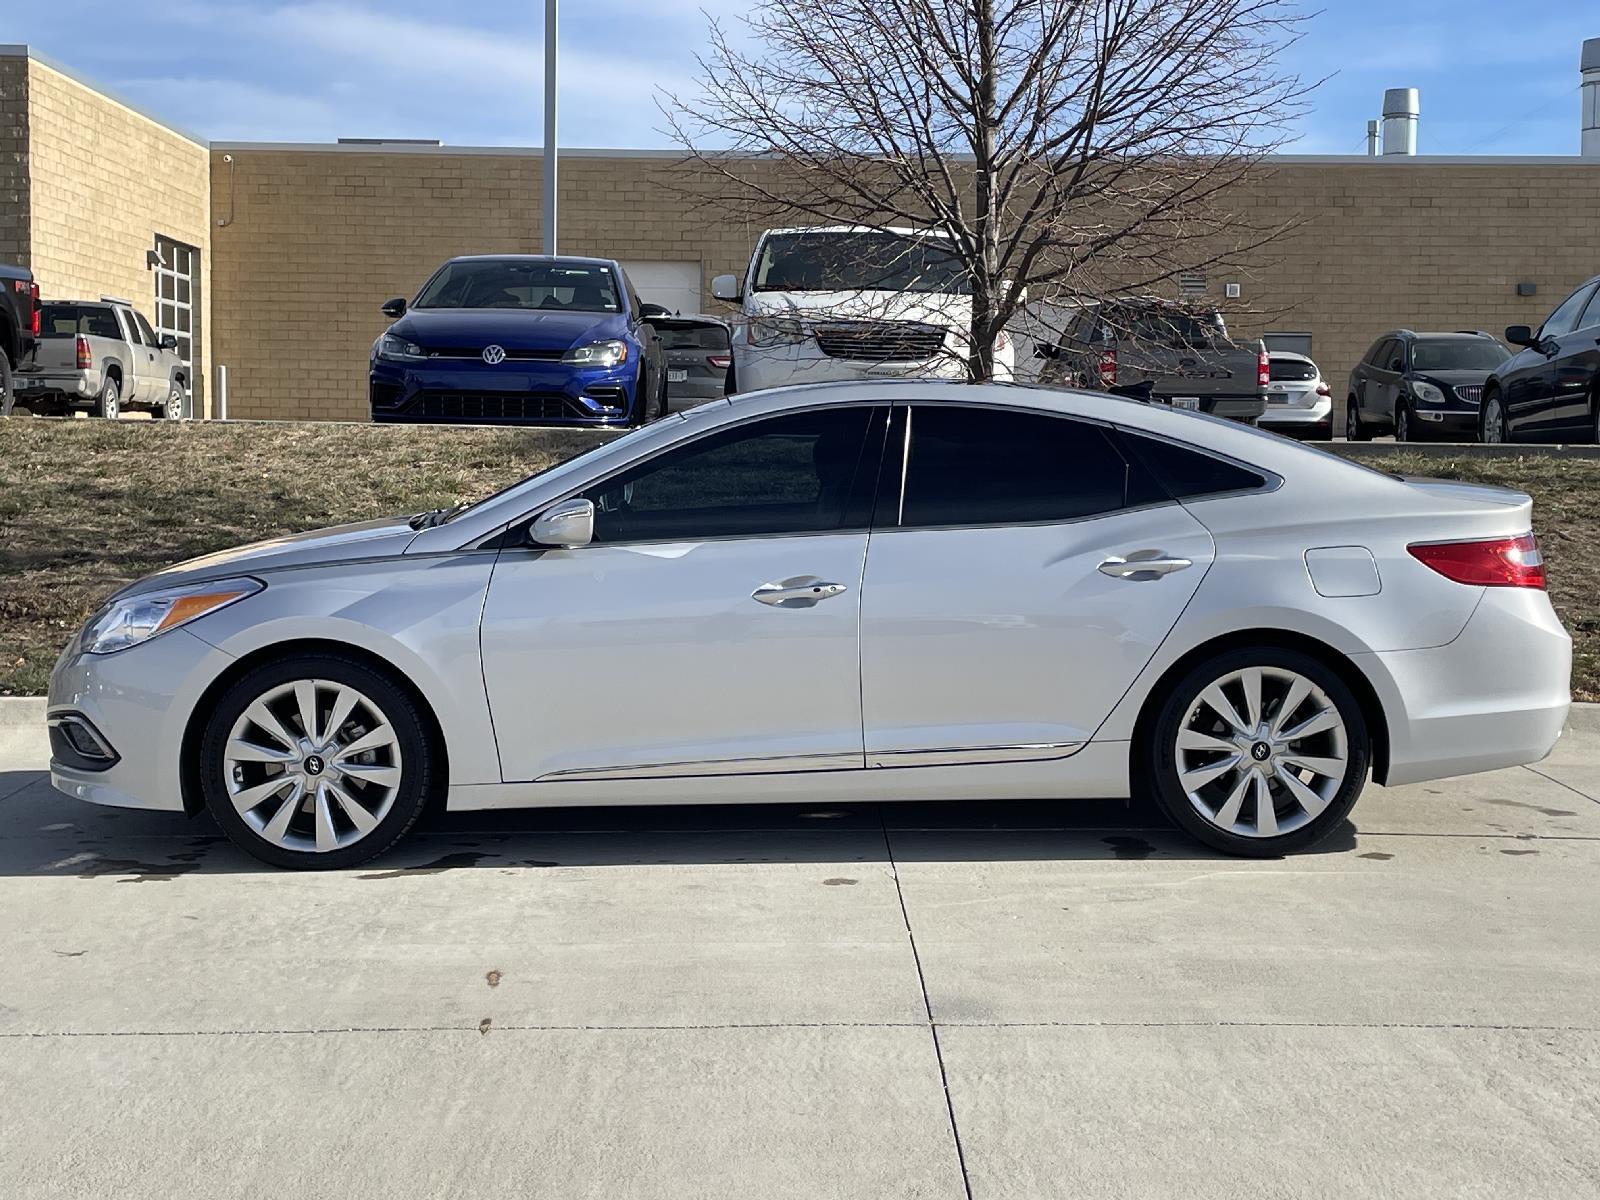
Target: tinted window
1189, 474
979, 466
70, 320
1290, 370
790, 474
1481, 354
1591, 315
691, 337
1372, 358
132, 326
836, 261
145, 332
1565, 318
522, 283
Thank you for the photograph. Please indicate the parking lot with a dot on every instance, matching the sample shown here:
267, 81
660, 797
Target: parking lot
1006, 1000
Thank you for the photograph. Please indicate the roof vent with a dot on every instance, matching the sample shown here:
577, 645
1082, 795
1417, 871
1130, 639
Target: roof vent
1401, 109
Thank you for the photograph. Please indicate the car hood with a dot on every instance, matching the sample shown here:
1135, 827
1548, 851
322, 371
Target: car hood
382, 538
1455, 378
933, 308
513, 328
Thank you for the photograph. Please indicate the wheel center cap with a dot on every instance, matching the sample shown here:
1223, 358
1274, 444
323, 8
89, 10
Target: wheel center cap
314, 764
1261, 752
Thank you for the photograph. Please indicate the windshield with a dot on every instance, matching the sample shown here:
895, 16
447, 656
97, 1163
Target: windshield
511, 283
850, 262
1477, 355
444, 516
692, 337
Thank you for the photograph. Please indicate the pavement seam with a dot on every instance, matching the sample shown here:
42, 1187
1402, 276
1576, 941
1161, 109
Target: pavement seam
1562, 783
927, 1006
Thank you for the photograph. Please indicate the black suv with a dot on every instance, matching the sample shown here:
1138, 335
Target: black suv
1421, 386
1550, 390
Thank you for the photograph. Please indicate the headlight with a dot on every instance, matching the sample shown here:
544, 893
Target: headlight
1427, 392
775, 331
611, 353
135, 619
399, 349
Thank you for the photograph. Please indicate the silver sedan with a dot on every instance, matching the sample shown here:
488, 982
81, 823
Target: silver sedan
865, 591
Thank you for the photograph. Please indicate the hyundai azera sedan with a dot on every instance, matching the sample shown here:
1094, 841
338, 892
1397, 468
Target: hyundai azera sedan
857, 591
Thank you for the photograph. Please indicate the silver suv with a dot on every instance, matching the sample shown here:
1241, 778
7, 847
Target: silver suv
102, 356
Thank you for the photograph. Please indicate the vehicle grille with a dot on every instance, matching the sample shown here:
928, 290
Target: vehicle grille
496, 406
882, 341
1472, 395
511, 355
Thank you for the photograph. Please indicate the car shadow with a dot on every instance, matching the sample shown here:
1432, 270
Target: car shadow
45, 834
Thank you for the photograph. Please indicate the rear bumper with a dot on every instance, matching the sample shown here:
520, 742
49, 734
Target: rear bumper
73, 385
1234, 408
1312, 421
1495, 697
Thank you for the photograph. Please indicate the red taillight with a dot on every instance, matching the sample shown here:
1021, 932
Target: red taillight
85, 359
1499, 562
720, 361
1263, 369
33, 288
1324, 390
1108, 368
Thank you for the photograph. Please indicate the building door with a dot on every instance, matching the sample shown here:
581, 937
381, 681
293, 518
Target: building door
673, 284
177, 270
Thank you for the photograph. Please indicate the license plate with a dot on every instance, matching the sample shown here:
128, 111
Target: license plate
1192, 403
1277, 397
677, 376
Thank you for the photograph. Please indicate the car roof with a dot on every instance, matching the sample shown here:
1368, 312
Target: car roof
900, 230
1442, 335
548, 258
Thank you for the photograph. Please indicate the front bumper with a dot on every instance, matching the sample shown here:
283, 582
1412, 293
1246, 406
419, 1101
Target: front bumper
1495, 697
139, 701
1445, 424
757, 367
512, 393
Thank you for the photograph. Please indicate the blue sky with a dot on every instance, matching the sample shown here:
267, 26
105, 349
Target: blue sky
468, 72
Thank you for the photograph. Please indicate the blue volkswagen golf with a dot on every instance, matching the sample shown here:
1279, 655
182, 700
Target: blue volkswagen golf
519, 340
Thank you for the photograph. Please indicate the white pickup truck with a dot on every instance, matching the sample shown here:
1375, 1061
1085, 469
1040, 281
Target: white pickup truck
843, 302
104, 357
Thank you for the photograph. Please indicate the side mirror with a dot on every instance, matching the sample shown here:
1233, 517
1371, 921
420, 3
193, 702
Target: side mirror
168, 342
570, 523
647, 310
395, 307
1520, 335
726, 287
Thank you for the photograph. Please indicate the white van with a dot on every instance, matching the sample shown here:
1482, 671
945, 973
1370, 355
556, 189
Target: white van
847, 302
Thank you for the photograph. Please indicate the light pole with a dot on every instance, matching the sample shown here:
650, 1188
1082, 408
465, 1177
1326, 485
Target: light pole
550, 126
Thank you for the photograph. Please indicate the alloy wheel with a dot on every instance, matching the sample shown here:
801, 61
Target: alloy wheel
1352, 423
1262, 752
1494, 421
312, 765
174, 409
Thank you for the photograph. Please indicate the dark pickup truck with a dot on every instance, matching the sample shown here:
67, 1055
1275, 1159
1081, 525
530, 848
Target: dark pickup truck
19, 327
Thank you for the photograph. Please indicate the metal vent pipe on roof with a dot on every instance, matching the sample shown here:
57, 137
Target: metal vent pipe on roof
1589, 64
1401, 109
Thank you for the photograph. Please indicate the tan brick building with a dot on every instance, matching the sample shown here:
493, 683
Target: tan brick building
303, 242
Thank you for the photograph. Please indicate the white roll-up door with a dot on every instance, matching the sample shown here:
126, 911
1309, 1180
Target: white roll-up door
674, 284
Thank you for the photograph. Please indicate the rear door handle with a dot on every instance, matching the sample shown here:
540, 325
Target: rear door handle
1143, 565
799, 591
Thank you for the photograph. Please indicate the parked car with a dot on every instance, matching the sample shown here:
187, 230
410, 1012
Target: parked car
1299, 402
698, 358
102, 357
1186, 355
847, 302
1421, 386
1550, 389
19, 326
880, 591
521, 340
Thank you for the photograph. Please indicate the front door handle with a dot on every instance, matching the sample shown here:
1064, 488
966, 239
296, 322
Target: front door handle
1143, 565
799, 591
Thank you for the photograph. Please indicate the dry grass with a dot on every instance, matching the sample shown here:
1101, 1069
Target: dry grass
86, 506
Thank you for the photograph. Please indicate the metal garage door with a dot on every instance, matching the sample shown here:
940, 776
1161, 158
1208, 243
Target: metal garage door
674, 284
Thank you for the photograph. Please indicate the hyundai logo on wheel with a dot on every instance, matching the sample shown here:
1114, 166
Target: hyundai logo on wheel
494, 355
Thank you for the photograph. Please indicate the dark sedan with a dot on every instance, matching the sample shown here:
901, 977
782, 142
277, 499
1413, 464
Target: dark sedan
519, 340
1550, 390
1421, 386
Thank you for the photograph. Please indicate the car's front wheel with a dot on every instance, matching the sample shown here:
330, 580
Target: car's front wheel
173, 409
1355, 429
1259, 752
316, 762
1492, 429
1402, 424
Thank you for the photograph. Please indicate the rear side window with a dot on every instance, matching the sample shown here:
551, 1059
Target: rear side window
983, 466
1288, 370
1189, 474
78, 320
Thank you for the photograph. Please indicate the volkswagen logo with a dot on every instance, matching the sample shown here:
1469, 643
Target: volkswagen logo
494, 355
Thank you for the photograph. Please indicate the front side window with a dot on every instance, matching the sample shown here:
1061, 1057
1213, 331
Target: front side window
1478, 355
984, 466
145, 332
1565, 319
570, 286
134, 335
799, 473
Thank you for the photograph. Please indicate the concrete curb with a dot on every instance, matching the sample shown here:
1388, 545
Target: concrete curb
1456, 450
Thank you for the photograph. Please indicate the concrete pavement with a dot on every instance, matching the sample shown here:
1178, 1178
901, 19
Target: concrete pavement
1005, 1000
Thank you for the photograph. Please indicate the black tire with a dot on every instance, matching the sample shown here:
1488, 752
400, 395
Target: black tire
639, 412
1159, 765
730, 385
109, 403
421, 776
1485, 434
1404, 431
172, 410
8, 385
665, 407
1355, 429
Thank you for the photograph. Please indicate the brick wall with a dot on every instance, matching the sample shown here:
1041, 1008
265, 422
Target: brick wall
105, 180
14, 246
318, 238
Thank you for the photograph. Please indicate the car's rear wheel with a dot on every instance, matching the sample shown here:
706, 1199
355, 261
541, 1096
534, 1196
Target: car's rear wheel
1259, 752
109, 402
1492, 425
316, 762
1355, 429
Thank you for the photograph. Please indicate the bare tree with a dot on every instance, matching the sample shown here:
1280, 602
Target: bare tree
1058, 149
